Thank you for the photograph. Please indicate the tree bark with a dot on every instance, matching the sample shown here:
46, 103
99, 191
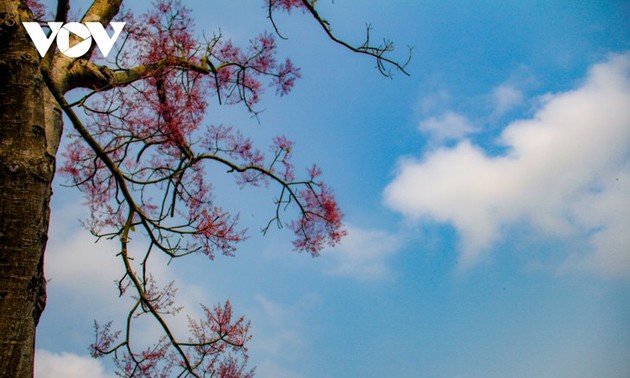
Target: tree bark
30, 127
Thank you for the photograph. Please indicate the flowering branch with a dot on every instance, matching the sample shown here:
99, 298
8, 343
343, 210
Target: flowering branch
142, 162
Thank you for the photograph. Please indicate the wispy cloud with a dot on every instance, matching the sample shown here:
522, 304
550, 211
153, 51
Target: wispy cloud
286, 337
448, 126
363, 254
435, 100
566, 173
270, 369
83, 276
281, 338
67, 365
511, 93
506, 97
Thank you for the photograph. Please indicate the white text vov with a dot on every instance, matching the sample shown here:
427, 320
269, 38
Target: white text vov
62, 32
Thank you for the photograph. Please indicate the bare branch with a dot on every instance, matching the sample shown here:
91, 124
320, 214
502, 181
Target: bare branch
377, 52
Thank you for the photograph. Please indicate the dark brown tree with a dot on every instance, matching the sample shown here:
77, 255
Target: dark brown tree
139, 156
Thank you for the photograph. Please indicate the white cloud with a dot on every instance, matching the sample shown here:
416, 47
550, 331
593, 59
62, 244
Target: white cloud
435, 100
448, 126
363, 254
566, 173
270, 369
75, 261
280, 338
67, 365
83, 273
506, 97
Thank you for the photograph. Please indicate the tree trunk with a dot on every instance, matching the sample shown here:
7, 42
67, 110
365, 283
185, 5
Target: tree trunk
26, 171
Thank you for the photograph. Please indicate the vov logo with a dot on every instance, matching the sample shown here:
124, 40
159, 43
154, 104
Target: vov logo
62, 33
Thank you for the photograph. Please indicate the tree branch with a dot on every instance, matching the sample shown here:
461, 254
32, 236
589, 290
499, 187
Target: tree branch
102, 11
377, 52
63, 7
85, 74
144, 299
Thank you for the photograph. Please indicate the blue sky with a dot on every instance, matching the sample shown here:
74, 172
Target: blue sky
486, 198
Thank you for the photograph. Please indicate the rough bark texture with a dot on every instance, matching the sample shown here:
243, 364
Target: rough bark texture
30, 130
28, 141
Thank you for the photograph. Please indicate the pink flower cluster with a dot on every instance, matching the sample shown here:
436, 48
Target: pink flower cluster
321, 223
217, 348
239, 73
38, 9
286, 5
